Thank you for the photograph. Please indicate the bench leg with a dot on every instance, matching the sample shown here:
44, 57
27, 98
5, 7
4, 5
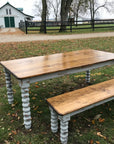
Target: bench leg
54, 120
64, 120
26, 104
63, 132
9, 87
88, 76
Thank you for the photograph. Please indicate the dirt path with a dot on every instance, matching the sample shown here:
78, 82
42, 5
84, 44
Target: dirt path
10, 31
15, 35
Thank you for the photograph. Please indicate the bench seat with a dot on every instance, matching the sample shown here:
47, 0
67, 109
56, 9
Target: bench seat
71, 103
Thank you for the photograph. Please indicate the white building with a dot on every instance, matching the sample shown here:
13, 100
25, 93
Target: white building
11, 16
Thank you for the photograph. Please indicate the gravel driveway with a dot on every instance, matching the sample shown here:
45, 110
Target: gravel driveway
15, 35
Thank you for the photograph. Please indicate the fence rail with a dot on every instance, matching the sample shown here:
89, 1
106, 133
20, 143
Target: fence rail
70, 25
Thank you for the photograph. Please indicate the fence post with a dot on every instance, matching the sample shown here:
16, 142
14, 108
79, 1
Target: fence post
45, 27
26, 24
70, 25
93, 24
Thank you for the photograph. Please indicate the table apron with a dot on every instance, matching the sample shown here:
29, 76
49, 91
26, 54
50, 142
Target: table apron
66, 72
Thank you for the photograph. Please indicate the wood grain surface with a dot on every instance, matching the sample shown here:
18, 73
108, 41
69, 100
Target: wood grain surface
40, 65
72, 101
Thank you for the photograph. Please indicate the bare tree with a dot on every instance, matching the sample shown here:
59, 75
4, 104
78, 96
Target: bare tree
55, 5
94, 6
44, 13
65, 7
110, 6
78, 7
38, 9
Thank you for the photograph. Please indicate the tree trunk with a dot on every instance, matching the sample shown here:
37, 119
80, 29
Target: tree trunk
44, 13
65, 6
92, 11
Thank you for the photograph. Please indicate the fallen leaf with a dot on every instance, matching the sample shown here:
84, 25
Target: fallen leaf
36, 86
93, 121
14, 115
36, 108
91, 141
97, 116
101, 120
43, 132
99, 134
13, 105
10, 134
18, 118
14, 90
17, 142
39, 112
12, 121
8, 114
74, 121
110, 109
33, 98
97, 142
7, 142
14, 132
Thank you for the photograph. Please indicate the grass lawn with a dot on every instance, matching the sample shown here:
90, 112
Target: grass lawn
95, 126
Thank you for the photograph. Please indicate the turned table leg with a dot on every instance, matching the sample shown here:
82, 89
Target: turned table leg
63, 131
25, 103
88, 76
64, 121
54, 121
9, 87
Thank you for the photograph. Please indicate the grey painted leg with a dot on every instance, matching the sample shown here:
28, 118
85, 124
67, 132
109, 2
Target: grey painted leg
9, 87
26, 104
63, 131
88, 76
54, 121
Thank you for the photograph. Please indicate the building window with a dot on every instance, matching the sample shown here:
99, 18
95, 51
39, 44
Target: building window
6, 11
10, 11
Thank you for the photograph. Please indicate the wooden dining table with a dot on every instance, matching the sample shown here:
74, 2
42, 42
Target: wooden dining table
39, 68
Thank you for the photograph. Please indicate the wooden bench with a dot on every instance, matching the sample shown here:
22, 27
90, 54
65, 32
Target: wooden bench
66, 105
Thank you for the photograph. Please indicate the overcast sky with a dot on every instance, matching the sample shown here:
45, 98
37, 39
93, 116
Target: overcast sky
28, 6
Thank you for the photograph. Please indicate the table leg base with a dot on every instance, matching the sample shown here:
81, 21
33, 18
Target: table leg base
9, 87
26, 105
88, 76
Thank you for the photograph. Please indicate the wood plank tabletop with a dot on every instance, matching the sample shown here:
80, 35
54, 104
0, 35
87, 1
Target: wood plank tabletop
40, 65
78, 99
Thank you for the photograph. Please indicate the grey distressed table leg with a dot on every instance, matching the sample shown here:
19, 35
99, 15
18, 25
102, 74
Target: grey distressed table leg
64, 120
64, 132
9, 87
54, 120
25, 103
88, 76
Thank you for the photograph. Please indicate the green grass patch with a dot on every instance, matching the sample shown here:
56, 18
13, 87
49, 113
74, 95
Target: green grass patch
83, 128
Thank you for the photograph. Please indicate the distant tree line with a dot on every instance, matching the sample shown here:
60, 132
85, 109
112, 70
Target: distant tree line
66, 9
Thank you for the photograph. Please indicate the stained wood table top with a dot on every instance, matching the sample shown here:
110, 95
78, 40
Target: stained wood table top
40, 65
78, 99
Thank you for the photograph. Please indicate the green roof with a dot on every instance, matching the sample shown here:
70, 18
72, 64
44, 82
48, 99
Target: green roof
20, 9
